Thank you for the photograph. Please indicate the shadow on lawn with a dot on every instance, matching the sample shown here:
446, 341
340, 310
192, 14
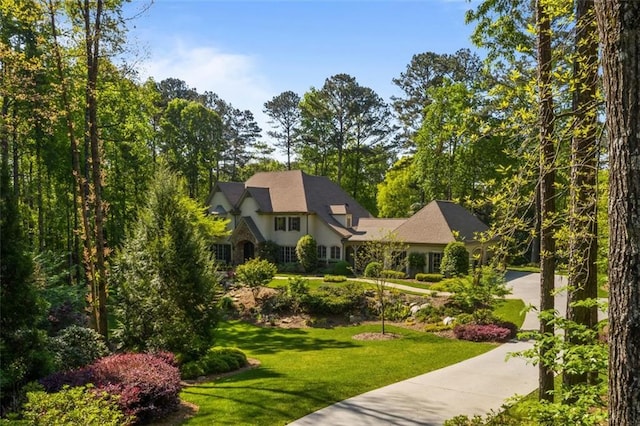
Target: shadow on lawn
273, 340
251, 394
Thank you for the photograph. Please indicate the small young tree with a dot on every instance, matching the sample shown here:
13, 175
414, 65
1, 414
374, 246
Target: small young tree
455, 260
387, 251
307, 252
164, 276
256, 273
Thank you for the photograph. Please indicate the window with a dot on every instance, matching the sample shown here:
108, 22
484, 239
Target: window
335, 253
294, 224
436, 258
222, 252
322, 252
280, 223
287, 255
349, 220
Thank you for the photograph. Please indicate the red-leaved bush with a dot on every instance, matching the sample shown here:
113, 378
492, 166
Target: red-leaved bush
147, 385
482, 332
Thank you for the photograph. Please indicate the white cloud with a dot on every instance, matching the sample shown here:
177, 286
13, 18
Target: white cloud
234, 77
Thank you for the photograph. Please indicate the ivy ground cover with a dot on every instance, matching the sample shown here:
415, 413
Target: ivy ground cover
303, 370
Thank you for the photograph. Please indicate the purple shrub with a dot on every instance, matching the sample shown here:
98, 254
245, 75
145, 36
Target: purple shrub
482, 332
148, 386
79, 377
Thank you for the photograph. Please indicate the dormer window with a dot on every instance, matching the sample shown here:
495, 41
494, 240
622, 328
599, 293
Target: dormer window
348, 219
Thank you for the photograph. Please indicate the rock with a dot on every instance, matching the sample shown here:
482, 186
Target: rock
448, 320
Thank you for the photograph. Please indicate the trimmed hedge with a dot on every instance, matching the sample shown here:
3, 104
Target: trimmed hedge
387, 273
334, 278
215, 361
430, 278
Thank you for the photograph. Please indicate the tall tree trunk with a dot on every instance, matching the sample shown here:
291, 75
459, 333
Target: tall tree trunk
79, 187
583, 245
619, 25
92, 26
547, 191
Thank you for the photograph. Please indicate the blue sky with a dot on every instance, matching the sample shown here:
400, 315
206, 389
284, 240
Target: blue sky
249, 51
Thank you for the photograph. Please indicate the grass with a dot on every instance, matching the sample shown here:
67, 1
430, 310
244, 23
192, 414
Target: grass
314, 283
512, 310
303, 370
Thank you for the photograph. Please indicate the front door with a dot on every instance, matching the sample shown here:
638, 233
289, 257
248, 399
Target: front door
249, 250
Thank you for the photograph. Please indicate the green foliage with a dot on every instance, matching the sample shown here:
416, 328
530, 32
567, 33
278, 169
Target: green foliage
215, 361
334, 278
22, 344
430, 278
455, 260
268, 250
483, 289
255, 273
581, 404
165, 281
399, 190
307, 252
417, 260
393, 274
76, 346
74, 406
373, 270
341, 267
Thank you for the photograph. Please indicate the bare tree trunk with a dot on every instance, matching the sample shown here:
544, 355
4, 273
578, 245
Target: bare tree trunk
79, 192
547, 191
619, 25
92, 45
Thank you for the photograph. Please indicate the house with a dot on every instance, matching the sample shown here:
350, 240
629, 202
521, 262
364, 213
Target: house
283, 206
428, 231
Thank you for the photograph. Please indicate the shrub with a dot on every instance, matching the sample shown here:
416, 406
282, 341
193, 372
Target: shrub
482, 290
482, 332
341, 267
417, 260
393, 274
215, 361
268, 250
397, 311
307, 252
455, 260
334, 278
373, 270
429, 314
430, 278
75, 347
83, 405
326, 300
255, 273
147, 385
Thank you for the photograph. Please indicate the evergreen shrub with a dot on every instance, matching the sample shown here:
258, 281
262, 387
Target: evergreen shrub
430, 278
455, 260
373, 270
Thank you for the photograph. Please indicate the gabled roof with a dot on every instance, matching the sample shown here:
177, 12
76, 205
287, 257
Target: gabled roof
436, 222
231, 190
294, 191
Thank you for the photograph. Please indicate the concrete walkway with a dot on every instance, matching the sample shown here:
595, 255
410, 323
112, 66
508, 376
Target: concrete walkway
475, 386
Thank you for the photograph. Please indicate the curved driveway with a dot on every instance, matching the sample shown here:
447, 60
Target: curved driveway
475, 386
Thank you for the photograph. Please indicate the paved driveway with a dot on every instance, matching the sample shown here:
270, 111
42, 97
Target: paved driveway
474, 386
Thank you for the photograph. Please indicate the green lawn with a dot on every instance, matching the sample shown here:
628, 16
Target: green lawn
511, 310
303, 370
